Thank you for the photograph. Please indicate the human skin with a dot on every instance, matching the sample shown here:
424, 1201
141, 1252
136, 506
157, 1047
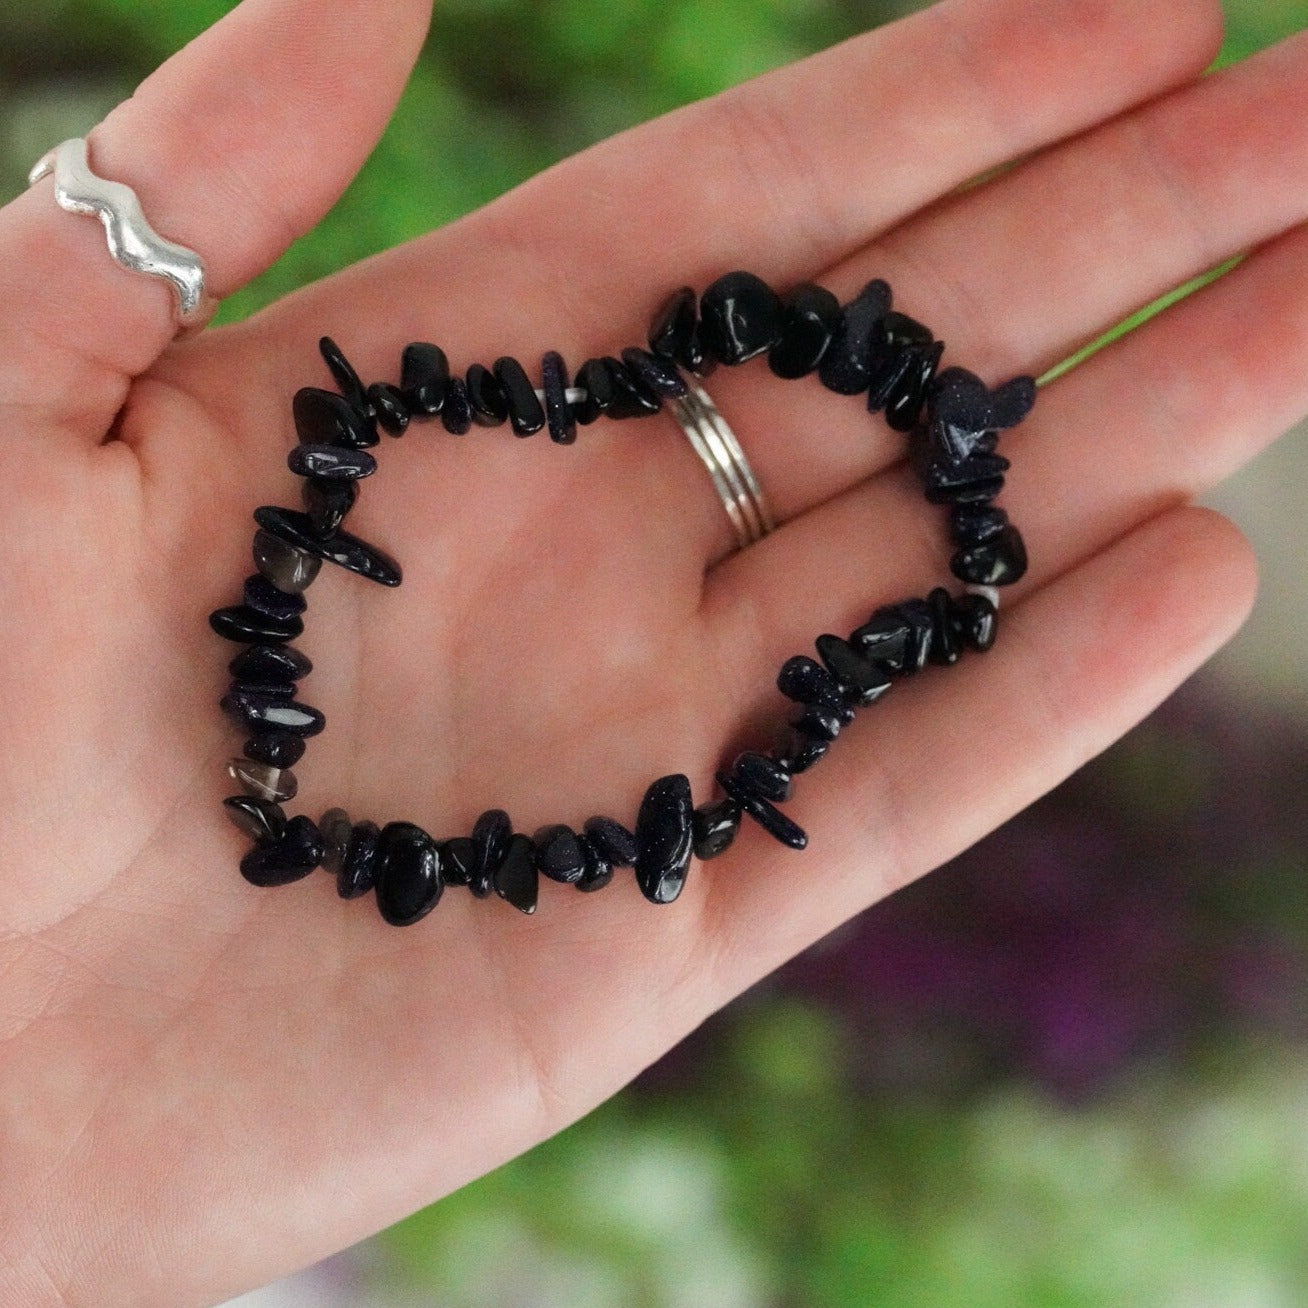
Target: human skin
204, 1085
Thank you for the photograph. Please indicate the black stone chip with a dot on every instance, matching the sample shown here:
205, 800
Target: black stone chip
344, 550
516, 880
811, 317
767, 815
424, 378
486, 394
526, 413
391, 408
845, 366
358, 872
739, 317
664, 838
409, 882
325, 418
558, 412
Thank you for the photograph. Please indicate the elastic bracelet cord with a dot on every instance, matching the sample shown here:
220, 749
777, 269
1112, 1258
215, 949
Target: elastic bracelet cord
864, 347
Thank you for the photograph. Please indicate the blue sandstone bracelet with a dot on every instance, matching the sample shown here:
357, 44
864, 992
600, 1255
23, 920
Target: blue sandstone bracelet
862, 348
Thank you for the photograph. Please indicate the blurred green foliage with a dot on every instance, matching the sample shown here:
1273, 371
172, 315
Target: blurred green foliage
777, 1188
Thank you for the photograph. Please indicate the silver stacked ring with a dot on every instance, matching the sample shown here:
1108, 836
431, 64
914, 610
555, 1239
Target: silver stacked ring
717, 446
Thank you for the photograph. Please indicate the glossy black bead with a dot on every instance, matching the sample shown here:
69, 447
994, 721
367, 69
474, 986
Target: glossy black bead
269, 664
906, 654
345, 375
905, 399
739, 317
391, 408
260, 819
490, 837
767, 815
664, 839
845, 365
1012, 402
279, 749
999, 562
458, 861
974, 524
526, 413
977, 621
456, 413
810, 319
614, 842
599, 871
934, 452
516, 880
797, 752
888, 378
896, 342
558, 412
713, 828
327, 504
674, 332
559, 854
594, 378
242, 623
295, 853
819, 722
937, 441
489, 399
946, 640
962, 399
358, 872
807, 682
654, 373
257, 711
631, 397
862, 682
763, 775
325, 418
409, 882
884, 638
344, 550
262, 596
330, 462
424, 378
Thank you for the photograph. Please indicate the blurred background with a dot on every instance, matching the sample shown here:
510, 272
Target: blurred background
1069, 1070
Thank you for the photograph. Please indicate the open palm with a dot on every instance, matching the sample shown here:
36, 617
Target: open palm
203, 1084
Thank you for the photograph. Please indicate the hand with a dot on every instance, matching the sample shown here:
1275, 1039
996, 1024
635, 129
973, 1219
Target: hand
205, 1085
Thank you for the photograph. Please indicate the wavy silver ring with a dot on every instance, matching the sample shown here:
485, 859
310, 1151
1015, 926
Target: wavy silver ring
734, 479
132, 241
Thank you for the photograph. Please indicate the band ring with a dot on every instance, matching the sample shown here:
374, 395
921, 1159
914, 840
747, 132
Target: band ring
133, 243
716, 444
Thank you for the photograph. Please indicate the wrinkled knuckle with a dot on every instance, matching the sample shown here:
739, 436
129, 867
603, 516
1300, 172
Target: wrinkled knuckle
777, 163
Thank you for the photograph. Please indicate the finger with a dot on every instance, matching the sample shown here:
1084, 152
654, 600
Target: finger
1157, 418
794, 169
1019, 274
236, 146
951, 756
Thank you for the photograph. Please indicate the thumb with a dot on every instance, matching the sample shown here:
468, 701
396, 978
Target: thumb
236, 146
